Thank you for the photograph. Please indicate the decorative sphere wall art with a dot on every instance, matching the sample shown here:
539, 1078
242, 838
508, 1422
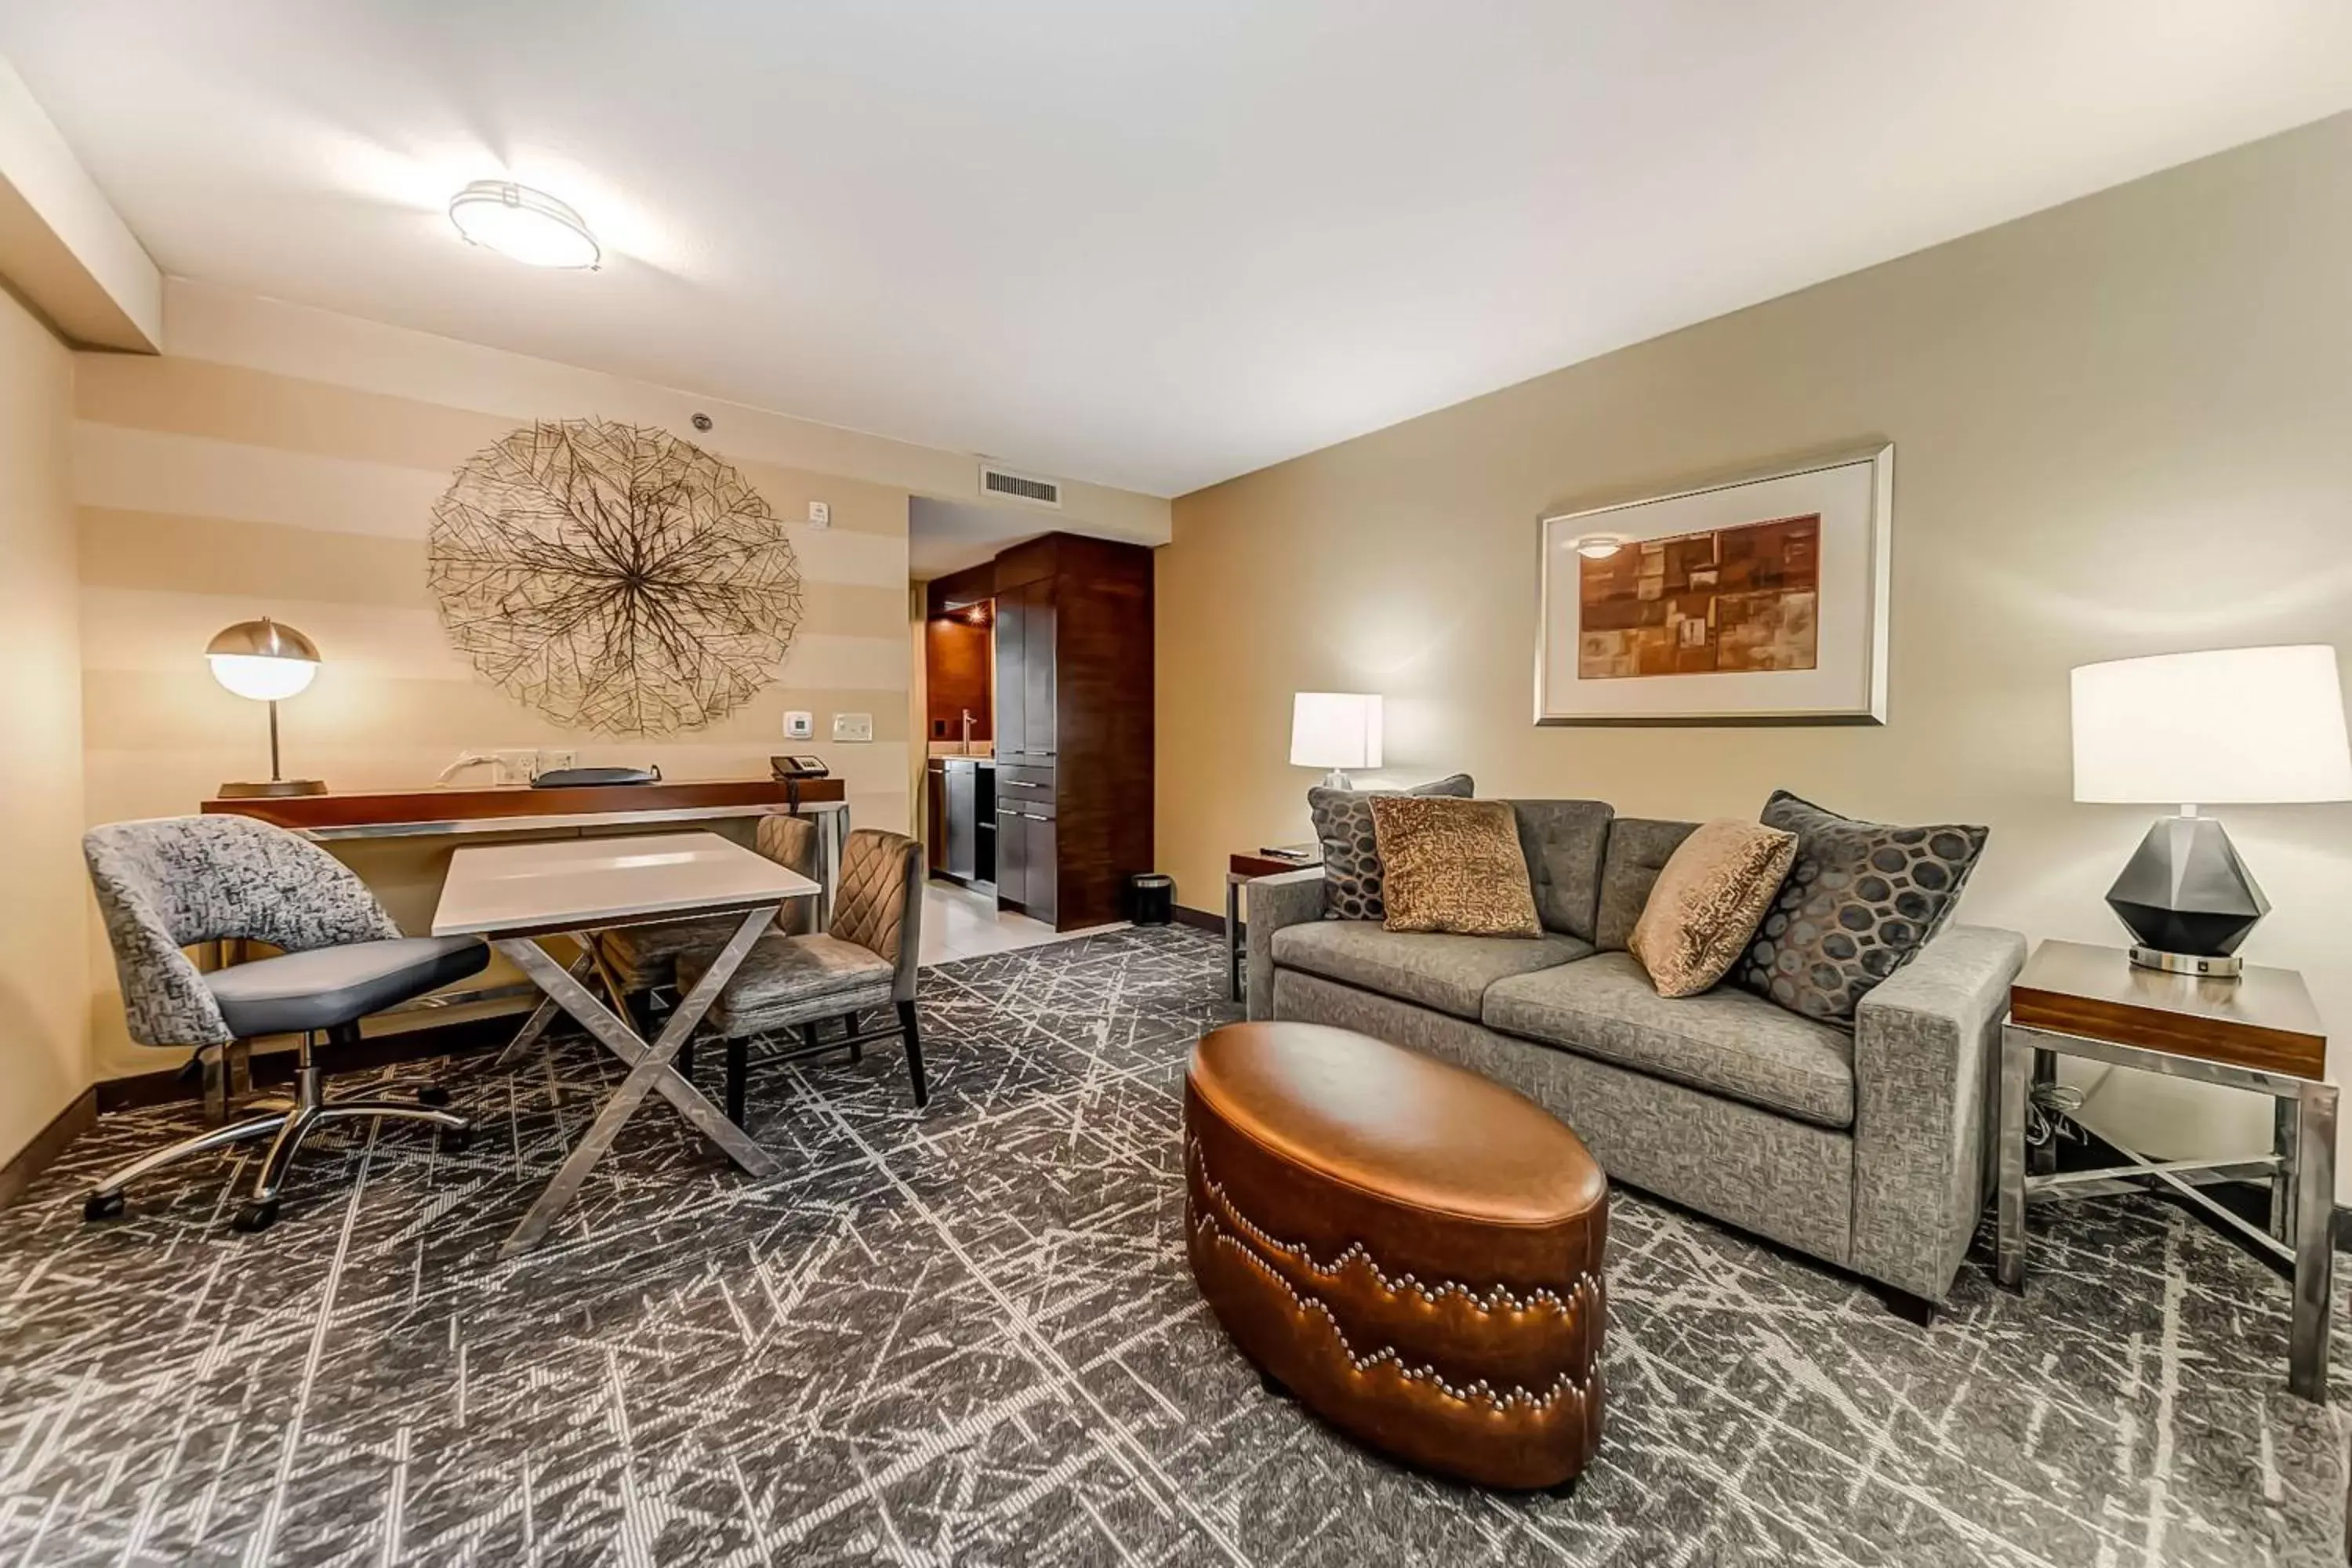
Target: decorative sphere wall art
614, 577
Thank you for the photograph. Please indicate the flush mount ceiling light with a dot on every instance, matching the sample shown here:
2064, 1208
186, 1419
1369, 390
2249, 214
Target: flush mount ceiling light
1598, 546
528, 225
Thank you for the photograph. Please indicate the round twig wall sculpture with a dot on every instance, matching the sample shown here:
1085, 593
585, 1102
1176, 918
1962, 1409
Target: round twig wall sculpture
614, 577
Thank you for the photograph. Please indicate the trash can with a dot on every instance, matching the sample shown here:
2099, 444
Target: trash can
1150, 898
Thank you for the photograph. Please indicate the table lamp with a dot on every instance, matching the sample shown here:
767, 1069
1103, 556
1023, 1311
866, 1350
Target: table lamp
1335, 730
2232, 726
265, 661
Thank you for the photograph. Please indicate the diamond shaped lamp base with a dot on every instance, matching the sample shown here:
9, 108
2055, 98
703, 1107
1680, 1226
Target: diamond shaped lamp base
2187, 898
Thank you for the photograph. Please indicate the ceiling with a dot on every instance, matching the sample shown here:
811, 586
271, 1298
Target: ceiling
944, 536
1152, 244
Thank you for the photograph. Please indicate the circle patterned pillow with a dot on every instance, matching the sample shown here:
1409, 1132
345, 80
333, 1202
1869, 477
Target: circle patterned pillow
1862, 899
1351, 854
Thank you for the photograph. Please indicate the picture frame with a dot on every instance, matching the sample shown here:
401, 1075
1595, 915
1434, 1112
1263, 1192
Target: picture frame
1756, 599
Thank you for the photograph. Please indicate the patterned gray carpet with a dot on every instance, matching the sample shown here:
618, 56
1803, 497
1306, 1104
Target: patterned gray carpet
969, 1337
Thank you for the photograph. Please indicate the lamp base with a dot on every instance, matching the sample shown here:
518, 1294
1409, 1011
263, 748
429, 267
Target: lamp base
2188, 899
1338, 779
272, 788
2210, 966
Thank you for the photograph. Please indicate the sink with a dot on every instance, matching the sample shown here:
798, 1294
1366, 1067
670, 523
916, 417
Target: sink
958, 749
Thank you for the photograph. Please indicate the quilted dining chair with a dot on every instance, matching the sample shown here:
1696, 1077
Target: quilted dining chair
868, 959
177, 882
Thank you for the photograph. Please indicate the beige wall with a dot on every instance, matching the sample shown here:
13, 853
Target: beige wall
44, 964
285, 462
2122, 426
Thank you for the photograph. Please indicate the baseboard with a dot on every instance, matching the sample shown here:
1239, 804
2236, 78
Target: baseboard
465, 1037
1200, 919
49, 1143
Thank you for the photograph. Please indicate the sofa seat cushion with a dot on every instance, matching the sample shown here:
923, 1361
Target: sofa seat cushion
1448, 972
1727, 1041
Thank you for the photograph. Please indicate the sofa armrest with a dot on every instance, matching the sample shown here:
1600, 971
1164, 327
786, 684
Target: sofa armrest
1927, 1045
1270, 903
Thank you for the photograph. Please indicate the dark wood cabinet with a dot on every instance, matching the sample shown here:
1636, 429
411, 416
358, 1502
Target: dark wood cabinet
1073, 727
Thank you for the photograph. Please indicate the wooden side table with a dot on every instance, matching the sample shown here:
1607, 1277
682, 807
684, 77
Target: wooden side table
2257, 1031
1247, 868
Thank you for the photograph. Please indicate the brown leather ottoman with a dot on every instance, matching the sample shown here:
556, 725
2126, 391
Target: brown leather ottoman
1413, 1251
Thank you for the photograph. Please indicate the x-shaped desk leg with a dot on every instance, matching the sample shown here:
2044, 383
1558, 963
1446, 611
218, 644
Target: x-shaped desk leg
649, 1070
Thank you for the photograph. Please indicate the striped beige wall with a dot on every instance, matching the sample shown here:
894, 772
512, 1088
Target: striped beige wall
285, 462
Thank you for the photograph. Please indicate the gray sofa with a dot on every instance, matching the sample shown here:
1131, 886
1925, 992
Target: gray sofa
1868, 1149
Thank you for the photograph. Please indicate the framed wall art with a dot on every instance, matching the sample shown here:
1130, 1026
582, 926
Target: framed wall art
1757, 601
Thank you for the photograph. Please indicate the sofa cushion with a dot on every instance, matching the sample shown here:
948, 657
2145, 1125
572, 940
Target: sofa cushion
1862, 899
1453, 866
1638, 850
1563, 841
1450, 974
1725, 1041
1704, 905
1351, 854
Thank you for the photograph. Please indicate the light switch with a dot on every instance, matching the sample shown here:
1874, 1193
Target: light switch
853, 726
819, 514
800, 726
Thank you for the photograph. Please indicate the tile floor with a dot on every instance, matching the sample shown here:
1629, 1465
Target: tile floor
958, 922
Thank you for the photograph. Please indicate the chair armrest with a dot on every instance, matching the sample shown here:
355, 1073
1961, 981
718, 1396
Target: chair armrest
1270, 903
1926, 1049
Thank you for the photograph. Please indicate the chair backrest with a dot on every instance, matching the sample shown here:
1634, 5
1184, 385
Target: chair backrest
791, 842
879, 902
169, 883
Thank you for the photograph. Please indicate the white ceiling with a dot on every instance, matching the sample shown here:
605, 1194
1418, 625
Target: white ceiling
944, 536
1152, 243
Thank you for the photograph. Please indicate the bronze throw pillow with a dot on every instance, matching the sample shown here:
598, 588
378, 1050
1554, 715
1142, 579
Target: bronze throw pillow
1453, 866
1351, 856
1704, 907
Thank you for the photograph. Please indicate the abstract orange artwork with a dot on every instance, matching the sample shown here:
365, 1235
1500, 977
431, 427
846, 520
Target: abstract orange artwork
1744, 598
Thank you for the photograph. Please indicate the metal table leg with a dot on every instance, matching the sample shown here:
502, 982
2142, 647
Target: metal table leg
2285, 1123
2017, 1066
649, 1070
1232, 937
2315, 1248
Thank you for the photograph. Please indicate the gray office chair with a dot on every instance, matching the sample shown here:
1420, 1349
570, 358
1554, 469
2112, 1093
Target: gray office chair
177, 881
870, 958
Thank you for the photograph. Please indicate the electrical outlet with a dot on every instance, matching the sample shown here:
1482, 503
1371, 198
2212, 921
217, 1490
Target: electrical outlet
514, 767
819, 514
800, 726
853, 726
551, 761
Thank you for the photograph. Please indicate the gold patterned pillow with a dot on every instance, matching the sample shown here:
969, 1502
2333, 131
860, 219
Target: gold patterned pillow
1453, 866
1704, 908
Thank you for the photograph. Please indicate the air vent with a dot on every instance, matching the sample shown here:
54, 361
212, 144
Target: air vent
996, 481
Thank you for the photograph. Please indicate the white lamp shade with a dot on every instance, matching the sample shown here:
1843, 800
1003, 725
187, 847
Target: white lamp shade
1335, 730
265, 678
2242, 725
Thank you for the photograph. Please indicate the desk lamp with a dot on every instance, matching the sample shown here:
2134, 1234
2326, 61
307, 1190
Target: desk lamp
266, 662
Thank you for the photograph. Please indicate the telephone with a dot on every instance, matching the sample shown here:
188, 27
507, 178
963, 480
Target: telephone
794, 769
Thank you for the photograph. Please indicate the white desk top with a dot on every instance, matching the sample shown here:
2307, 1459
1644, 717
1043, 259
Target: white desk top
573, 884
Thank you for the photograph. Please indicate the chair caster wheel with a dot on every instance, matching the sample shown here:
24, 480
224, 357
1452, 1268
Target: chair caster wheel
433, 1095
254, 1217
453, 1139
1564, 1489
102, 1205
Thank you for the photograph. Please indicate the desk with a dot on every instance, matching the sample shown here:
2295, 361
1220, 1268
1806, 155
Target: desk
454, 811
516, 893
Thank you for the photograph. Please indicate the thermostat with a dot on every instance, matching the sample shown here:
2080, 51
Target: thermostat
819, 514
800, 726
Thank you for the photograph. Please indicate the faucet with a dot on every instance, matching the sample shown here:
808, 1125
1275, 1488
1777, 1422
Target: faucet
967, 730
